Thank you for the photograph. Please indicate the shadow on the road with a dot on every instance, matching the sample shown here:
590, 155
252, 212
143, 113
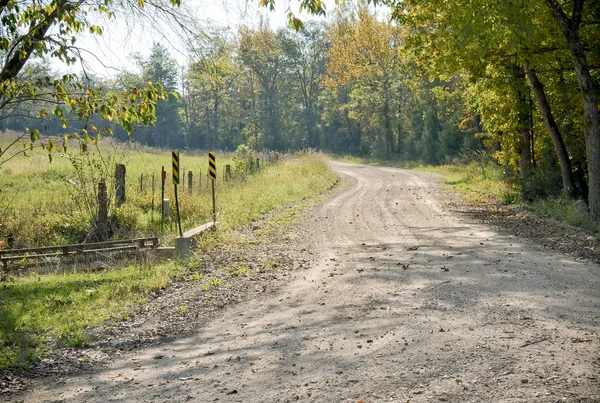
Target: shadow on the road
409, 306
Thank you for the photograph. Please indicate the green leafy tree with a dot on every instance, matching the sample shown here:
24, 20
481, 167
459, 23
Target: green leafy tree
161, 69
520, 30
571, 22
260, 52
305, 58
521, 34
212, 74
366, 54
33, 30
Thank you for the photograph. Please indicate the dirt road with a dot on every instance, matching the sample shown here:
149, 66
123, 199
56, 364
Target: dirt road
404, 301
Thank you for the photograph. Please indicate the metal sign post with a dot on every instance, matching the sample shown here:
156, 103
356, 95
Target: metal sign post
212, 169
175, 158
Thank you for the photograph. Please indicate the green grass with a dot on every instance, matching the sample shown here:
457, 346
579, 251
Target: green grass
240, 269
40, 206
380, 162
566, 210
213, 282
476, 184
488, 185
38, 312
43, 203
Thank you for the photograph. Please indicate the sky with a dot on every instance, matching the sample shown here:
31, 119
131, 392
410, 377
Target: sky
110, 53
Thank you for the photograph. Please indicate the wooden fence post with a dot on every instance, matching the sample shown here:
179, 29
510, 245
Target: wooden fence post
190, 181
102, 219
120, 184
152, 196
227, 172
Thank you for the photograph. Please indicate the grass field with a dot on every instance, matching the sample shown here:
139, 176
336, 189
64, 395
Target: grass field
43, 203
39, 311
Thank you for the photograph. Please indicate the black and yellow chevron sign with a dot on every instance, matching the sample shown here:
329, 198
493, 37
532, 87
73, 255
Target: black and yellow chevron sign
212, 165
175, 159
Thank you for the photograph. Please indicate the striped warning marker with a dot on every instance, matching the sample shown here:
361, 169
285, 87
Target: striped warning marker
212, 165
175, 158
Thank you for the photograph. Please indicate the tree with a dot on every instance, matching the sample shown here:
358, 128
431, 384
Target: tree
367, 54
552, 127
519, 31
160, 68
507, 38
33, 30
260, 51
304, 53
213, 72
570, 26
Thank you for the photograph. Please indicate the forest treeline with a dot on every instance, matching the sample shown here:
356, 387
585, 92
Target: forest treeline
436, 84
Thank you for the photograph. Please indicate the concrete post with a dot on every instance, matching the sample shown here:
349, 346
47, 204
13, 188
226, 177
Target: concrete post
165, 208
183, 246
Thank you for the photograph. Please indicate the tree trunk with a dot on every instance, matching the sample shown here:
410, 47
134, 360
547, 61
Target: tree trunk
215, 135
102, 217
398, 145
525, 166
591, 116
553, 130
310, 127
525, 154
208, 126
274, 135
389, 137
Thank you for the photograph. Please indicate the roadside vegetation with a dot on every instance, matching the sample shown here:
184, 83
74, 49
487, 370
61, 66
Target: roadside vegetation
41, 311
490, 184
44, 204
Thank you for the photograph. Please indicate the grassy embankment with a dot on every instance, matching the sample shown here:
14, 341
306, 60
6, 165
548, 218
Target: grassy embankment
37, 310
482, 183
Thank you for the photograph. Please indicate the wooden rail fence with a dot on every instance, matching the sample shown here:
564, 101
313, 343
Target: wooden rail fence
33, 256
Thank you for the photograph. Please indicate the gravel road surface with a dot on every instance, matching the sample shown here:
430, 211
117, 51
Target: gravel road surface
403, 301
